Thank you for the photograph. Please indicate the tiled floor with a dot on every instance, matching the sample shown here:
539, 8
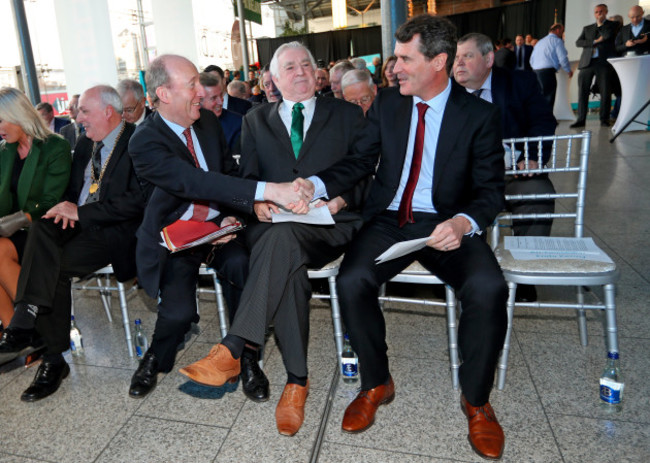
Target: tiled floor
549, 408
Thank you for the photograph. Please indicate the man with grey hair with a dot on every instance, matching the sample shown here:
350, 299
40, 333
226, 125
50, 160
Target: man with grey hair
359, 88
237, 89
358, 63
133, 101
336, 74
180, 155
296, 137
92, 227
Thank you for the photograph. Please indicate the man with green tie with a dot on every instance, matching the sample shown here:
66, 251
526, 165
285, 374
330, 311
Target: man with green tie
298, 136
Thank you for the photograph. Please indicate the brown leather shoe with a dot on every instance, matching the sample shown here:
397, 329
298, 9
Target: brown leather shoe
360, 414
290, 412
485, 433
214, 369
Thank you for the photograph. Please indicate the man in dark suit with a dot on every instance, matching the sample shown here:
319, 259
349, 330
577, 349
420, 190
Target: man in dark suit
46, 111
271, 92
179, 155
71, 132
634, 36
504, 57
524, 113
213, 101
231, 103
522, 54
322, 82
296, 137
441, 176
597, 43
133, 101
94, 226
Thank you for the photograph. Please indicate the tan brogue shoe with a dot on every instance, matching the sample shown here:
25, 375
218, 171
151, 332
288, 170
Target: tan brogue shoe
360, 414
485, 434
290, 412
214, 369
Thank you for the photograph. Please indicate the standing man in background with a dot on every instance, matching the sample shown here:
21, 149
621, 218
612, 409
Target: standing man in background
549, 55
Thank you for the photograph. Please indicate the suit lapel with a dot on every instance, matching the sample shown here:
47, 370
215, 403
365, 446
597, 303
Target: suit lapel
403, 125
208, 147
321, 115
172, 137
278, 128
27, 175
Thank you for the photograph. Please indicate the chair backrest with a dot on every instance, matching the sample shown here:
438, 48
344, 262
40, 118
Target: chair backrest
569, 154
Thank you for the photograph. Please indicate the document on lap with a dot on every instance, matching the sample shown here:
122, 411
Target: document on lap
315, 216
401, 249
185, 234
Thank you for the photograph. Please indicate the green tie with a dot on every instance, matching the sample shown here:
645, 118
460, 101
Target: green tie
296, 128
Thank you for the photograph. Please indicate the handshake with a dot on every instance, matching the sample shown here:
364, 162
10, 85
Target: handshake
294, 196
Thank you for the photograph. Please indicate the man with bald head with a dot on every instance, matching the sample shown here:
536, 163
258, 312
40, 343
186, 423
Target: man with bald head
92, 227
634, 36
180, 154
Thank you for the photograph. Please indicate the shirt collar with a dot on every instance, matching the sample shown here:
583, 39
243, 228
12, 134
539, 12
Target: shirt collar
309, 104
177, 129
438, 102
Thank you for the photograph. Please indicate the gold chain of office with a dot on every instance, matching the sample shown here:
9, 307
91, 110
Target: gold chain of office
94, 186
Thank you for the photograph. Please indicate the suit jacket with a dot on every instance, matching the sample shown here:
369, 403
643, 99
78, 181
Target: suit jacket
231, 124
172, 181
118, 212
524, 111
468, 168
528, 50
626, 34
59, 123
606, 48
335, 129
69, 132
505, 58
42, 181
238, 105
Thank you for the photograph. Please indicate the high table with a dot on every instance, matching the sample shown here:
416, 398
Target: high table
633, 72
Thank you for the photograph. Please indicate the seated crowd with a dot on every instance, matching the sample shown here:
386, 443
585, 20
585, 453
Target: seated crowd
367, 146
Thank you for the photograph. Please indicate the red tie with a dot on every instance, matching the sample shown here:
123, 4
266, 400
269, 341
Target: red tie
405, 212
200, 212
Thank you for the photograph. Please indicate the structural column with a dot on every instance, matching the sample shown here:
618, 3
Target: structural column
174, 28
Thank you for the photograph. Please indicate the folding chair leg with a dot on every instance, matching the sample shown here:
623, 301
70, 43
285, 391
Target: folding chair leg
582, 317
382, 293
125, 317
336, 317
106, 297
502, 366
453, 335
221, 306
610, 314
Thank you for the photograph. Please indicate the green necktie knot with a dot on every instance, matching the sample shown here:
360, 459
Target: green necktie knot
297, 120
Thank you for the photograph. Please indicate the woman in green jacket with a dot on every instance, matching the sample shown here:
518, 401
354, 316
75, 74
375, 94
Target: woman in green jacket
34, 173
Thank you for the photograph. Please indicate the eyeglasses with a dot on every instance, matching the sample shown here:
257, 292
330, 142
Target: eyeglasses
132, 109
362, 101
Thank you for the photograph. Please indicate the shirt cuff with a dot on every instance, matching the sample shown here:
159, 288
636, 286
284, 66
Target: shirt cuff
475, 229
259, 191
319, 187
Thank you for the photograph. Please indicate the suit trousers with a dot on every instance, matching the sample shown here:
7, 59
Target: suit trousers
538, 184
473, 272
52, 257
548, 83
602, 71
278, 287
177, 301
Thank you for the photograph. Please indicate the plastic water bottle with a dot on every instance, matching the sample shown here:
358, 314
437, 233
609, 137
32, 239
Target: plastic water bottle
349, 363
76, 341
611, 385
141, 343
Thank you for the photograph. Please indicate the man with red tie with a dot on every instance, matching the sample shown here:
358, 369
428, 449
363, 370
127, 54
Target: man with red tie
440, 176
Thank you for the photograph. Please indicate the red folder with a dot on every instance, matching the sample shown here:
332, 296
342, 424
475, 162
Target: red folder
184, 234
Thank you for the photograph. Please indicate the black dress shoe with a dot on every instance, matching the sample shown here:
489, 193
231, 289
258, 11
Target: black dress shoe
254, 382
577, 125
16, 342
145, 378
46, 382
526, 293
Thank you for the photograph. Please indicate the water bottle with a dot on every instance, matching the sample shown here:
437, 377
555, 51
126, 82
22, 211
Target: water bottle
349, 363
76, 341
141, 343
611, 385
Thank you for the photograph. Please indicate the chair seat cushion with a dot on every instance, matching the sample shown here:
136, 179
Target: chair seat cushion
550, 266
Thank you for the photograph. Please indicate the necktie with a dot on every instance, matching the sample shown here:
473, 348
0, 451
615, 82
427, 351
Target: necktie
97, 160
405, 211
477, 93
297, 120
200, 212
520, 57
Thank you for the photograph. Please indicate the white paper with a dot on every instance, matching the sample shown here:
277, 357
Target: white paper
545, 247
401, 249
315, 216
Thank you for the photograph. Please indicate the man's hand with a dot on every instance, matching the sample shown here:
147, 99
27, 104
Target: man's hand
532, 165
263, 210
289, 195
570, 74
64, 212
334, 205
305, 187
230, 236
448, 234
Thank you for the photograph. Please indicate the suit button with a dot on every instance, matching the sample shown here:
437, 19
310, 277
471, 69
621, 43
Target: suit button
295, 171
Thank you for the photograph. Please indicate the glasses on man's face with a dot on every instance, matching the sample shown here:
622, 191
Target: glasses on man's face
362, 101
132, 109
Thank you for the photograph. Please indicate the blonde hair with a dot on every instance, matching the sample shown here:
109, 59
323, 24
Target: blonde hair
17, 109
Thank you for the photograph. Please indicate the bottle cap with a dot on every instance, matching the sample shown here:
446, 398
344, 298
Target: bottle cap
71, 317
137, 321
612, 355
347, 338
